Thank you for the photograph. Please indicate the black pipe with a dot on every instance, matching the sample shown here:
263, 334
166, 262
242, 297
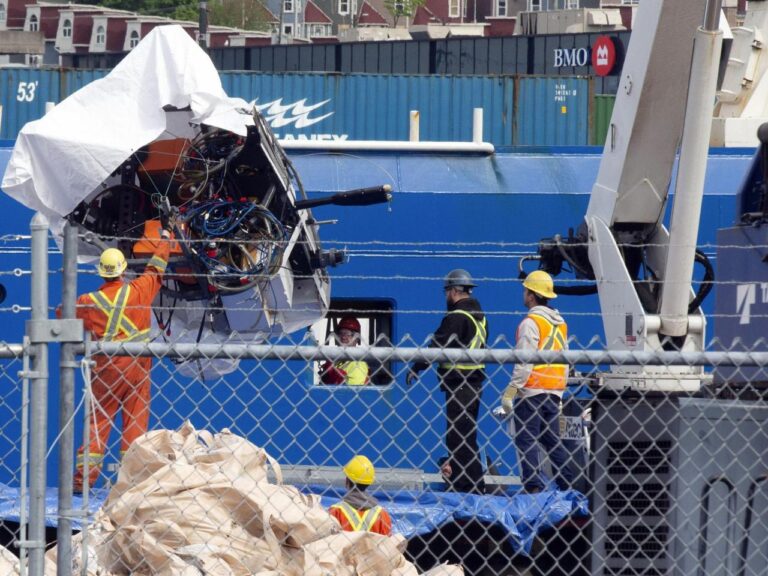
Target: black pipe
359, 197
705, 287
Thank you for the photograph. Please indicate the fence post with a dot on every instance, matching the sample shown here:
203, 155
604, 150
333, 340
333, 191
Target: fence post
39, 399
67, 367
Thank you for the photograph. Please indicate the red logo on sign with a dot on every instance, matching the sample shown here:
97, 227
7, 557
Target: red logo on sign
603, 56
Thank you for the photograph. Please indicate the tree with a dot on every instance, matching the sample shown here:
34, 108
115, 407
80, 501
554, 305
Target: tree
175, 9
405, 8
245, 14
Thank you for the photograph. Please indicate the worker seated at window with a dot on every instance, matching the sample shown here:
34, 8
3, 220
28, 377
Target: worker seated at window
359, 511
352, 372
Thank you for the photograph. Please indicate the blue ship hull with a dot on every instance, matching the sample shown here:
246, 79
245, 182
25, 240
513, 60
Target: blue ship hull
475, 212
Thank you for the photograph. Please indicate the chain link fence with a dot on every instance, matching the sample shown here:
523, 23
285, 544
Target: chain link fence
663, 483
248, 442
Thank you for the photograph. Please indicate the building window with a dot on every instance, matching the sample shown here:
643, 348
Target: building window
630, 1
288, 6
453, 8
101, 36
66, 28
375, 320
3, 14
343, 6
33, 23
572, 4
288, 30
134, 39
501, 8
316, 30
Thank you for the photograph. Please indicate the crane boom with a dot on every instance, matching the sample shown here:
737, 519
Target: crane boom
643, 272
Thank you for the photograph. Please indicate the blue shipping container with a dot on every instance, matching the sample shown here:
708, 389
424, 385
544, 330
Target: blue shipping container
23, 94
547, 111
73, 80
552, 111
368, 107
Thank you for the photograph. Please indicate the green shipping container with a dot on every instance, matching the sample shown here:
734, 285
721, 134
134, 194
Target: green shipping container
602, 110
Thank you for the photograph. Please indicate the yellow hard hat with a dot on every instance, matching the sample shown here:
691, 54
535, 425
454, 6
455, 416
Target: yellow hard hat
360, 471
112, 263
539, 282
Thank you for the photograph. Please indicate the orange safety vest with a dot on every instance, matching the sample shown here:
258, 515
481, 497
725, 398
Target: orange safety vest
551, 337
122, 310
374, 519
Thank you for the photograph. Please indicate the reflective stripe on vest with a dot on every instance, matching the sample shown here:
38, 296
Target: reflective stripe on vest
95, 460
553, 338
118, 325
158, 263
478, 341
359, 522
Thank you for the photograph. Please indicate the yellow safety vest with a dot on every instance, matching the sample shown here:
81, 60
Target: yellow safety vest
356, 371
478, 341
359, 522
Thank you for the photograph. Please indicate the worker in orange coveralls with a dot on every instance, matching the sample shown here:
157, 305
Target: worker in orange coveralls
357, 510
119, 311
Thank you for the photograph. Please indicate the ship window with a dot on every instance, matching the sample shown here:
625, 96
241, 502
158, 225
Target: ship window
33, 23
66, 28
134, 41
375, 319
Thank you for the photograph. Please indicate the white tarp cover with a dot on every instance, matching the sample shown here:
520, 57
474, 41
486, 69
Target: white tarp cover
59, 160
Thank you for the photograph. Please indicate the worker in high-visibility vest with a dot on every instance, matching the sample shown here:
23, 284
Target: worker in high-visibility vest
119, 311
535, 392
463, 326
358, 510
351, 372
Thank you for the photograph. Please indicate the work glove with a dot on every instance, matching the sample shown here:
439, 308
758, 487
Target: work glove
329, 374
411, 377
508, 399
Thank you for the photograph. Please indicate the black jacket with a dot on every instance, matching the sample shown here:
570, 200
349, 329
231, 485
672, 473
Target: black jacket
457, 331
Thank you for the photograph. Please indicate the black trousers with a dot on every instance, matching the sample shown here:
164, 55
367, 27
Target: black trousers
462, 406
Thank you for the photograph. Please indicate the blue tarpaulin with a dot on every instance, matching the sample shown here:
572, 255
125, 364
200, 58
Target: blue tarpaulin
413, 513
521, 516
10, 504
